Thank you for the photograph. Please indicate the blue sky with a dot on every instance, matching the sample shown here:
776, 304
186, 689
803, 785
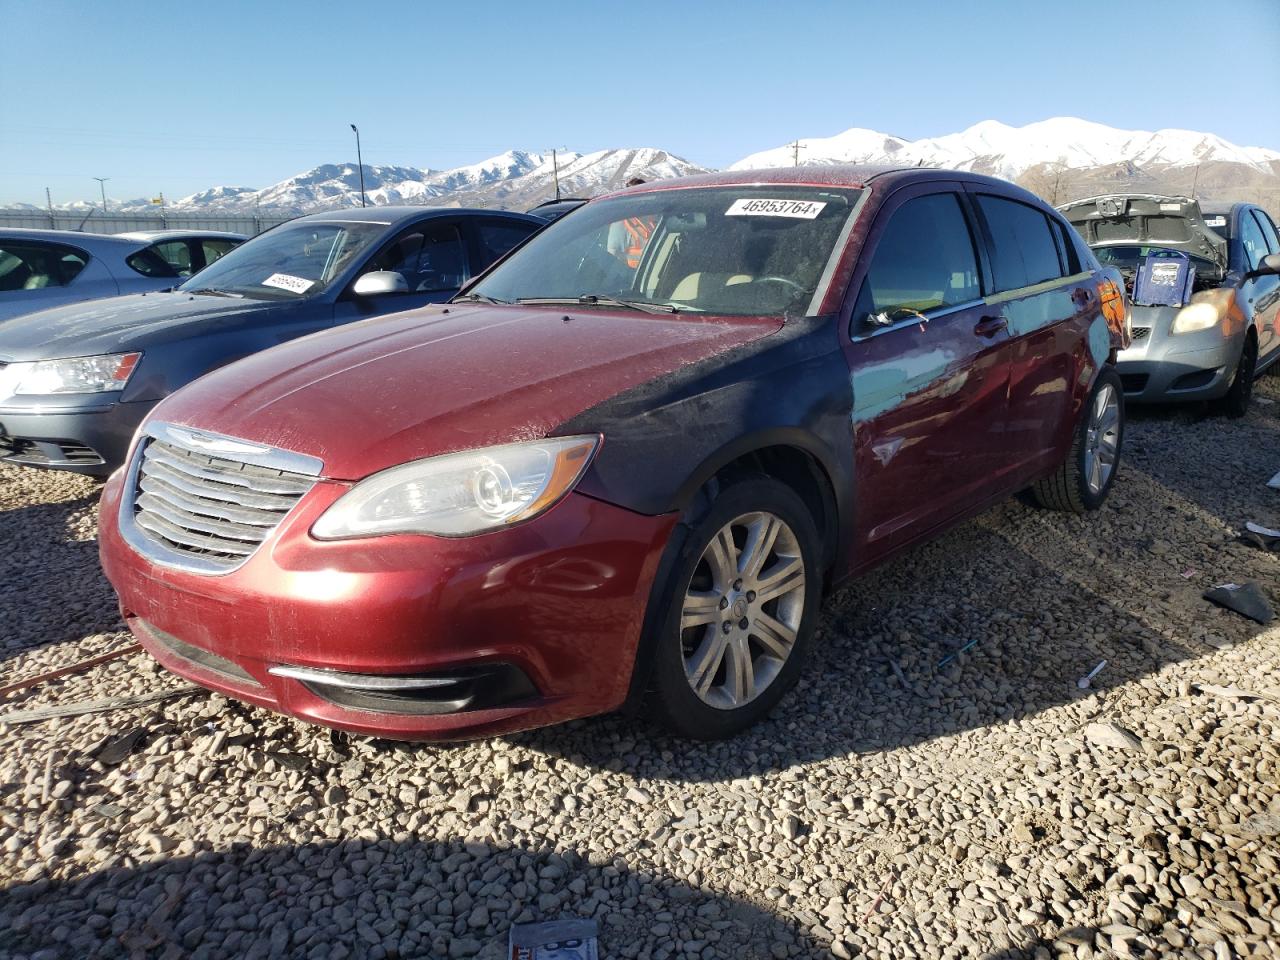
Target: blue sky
178, 97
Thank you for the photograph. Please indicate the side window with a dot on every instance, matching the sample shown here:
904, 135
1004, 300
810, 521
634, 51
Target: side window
1023, 250
1255, 247
176, 254
149, 263
1070, 256
431, 260
1268, 231
29, 265
499, 236
925, 259
213, 249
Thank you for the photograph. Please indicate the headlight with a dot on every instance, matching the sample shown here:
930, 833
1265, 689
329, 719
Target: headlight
460, 494
76, 375
1205, 310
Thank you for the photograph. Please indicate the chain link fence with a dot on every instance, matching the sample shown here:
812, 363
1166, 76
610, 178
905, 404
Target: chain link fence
95, 221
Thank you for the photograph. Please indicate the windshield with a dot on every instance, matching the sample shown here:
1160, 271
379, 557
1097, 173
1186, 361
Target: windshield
740, 251
291, 262
1127, 258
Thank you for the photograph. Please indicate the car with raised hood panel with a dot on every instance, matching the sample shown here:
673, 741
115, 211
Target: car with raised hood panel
1204, 288
76, 381
622, 467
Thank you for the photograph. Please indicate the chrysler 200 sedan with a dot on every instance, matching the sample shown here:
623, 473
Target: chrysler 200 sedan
1204, 292
604, 476
76, 381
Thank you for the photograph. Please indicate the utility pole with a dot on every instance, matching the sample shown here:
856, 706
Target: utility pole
1195, 182
102, 185
795, 152
359, 163
555, 170
48, 202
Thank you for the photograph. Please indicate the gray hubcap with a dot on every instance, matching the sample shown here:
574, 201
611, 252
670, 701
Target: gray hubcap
742, 609
1102, 439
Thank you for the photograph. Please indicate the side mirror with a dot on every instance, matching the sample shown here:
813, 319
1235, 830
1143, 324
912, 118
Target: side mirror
378, 282
1269, 265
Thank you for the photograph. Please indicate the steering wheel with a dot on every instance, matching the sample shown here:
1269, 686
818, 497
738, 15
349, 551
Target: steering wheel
785, 281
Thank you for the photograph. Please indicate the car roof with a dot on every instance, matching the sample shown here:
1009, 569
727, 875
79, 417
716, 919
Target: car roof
392, 215
823, 175
72, 238
153, 235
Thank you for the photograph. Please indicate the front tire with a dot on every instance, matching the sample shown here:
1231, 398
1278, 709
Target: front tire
738, 611
1083, 481
1236, 402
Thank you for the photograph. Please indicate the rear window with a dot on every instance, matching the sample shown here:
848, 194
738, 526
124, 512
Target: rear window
33, 265
499, 236
1024, 250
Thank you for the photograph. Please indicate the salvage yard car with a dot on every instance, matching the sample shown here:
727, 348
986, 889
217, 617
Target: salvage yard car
1204, 289
45, 268
595, 479
75, 382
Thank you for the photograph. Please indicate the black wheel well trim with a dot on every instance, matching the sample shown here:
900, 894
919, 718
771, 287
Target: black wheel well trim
833, 537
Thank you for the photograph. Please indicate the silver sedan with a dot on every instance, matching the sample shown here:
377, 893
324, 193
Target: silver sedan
49, 268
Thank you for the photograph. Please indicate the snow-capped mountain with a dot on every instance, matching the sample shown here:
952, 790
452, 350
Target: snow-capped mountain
996, 148
1061, 158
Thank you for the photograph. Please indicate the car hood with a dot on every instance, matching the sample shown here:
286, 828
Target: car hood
367, 396
1175, 223
116, 324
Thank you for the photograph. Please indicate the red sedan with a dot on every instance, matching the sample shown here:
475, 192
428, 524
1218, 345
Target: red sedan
623, 466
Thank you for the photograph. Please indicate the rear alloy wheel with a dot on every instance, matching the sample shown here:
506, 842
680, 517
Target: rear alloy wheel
738, 622
1085, 477
1236, 402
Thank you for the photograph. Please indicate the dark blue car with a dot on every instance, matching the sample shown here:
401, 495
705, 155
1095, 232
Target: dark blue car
76, 381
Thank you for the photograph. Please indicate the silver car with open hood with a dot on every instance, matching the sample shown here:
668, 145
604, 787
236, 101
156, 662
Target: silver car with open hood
1204, 289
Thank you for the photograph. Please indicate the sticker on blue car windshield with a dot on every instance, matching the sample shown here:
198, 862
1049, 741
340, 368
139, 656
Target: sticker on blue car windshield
288, 282
760, 207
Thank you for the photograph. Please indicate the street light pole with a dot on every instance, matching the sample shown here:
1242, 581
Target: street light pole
102, 185
359, 163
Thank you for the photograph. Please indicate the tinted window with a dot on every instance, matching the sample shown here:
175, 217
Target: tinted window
150, 263
1255, 247
499, 236
1067, 249
213, 249
30, 265
923, 260
1268, 231
1023, 249
431, 260
176, 254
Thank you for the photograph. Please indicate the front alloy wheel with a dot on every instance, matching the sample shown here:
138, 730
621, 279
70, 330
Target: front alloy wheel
737, 610
742, 610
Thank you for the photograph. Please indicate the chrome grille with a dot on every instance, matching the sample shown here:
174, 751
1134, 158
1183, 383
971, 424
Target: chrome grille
197, 509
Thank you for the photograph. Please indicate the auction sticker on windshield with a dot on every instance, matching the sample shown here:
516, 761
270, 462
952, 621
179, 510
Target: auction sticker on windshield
760, 207
288, 282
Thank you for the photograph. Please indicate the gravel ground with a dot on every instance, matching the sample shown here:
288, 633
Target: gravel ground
890, 808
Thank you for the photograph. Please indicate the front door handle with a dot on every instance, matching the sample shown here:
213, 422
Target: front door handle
990, 326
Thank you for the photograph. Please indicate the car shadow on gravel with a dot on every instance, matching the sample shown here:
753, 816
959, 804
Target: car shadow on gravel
51, 585
1042, 598
377, 898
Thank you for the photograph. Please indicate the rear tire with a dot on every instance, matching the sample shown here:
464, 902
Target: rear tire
1236, 402
712, 677
1083, 481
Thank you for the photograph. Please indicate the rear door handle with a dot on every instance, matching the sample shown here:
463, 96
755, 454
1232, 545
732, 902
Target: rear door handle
990, 326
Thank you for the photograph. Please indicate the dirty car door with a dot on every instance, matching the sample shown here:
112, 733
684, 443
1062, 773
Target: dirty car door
1049, 305
928, 371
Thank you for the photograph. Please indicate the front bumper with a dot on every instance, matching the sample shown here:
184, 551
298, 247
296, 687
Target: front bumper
1161, 367
558, 601
91, 438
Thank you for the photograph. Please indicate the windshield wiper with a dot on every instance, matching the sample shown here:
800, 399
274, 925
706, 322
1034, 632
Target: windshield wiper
477, 298
212, 292
595, 300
